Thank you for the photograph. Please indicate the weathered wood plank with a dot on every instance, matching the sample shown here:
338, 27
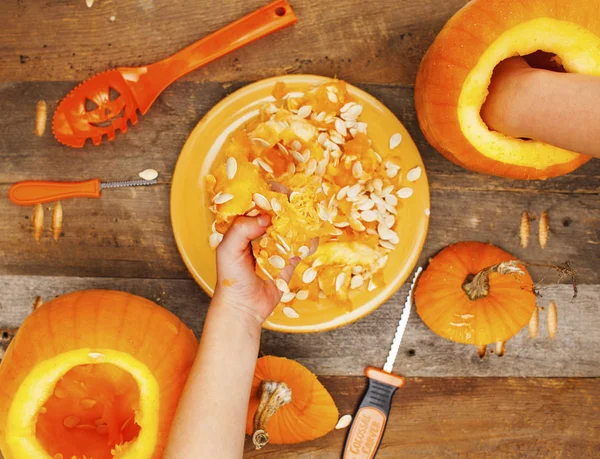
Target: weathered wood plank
383, 43
127, 232
348, 350
479, 418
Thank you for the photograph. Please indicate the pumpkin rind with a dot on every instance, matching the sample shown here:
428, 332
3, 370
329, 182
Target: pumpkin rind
312, 412
448, 65
111, 324
445, 308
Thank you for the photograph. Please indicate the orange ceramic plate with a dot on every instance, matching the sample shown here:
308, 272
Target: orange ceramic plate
192, 219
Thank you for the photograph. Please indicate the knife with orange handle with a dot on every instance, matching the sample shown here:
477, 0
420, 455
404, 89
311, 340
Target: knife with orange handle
368, 425
31, 192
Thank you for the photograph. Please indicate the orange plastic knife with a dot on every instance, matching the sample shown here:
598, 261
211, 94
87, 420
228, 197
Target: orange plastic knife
366, 431
31, 192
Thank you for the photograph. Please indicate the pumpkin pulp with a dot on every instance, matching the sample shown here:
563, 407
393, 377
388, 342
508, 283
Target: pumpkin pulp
579, 52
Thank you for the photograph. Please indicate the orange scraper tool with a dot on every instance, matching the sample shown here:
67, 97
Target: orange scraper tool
366, 431
106, 102
31, 192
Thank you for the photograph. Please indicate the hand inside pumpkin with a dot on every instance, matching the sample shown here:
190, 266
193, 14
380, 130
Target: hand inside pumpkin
554, 107
238, 286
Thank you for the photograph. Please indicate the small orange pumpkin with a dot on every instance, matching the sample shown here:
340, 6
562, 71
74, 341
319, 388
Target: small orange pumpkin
475, 293
94, 374
455, 73
288, 404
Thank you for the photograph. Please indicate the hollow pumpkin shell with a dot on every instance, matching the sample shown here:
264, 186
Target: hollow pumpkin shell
446, 309
88, 371
312, 412
456, 71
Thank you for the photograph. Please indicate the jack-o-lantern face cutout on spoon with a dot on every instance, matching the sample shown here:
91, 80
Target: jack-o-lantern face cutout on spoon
95, 113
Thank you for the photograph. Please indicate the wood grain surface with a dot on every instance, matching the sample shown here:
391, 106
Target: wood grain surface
539, 400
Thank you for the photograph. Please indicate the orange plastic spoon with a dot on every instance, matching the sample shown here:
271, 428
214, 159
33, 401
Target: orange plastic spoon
107, 101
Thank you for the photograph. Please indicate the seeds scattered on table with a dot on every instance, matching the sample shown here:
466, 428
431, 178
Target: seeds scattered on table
534, 323
57, 220
148, 174
543, 230
41, 111
37, 221
344, 422
552, 320
524, 230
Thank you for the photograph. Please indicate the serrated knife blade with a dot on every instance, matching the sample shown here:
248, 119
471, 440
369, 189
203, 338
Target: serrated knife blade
391, 358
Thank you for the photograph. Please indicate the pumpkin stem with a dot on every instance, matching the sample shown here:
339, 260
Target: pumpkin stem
478, 286
272, 397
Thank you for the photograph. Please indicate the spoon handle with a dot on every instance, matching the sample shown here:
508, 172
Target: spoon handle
268, 19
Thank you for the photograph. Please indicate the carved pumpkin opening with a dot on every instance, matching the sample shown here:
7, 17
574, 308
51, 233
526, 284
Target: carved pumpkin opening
91, 409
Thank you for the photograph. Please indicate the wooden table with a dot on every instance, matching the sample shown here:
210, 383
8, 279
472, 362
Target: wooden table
540, 400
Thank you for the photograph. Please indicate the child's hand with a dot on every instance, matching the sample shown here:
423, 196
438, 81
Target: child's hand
238, 286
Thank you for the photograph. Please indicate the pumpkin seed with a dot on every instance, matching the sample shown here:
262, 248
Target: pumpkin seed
302, 295
389, 220
305, 155
290, 312
336, 232
371, 285
231, 167
395, 140
261, 142
365, 205
287, 297
378, 185
322, 137
356, 225
382, 261
357, 170
339, 281
96, 355
391, 209
298, 157
357, 269
322, 167
261, 201
342, 193
323, 214
332, 97
387, 245
395, 239
362, 127
291, 168
353, 131
340, 127
277, 262
404, 193
304, 111
384, 232
341, 224
318, 262
350, 124
264, 242
266, 166
283, 149
357, 281
283, 243
320, 117
276, 205
332, 145
71, 421
343, 422
377, 156
322, 295
352, 113
282, 285
337, 138
391, 172
347, 107
354, 190
303, 251
414, 174
253, 213
427, 212
214, 240
386, 191
281, 249
391, 199
296, 145
311, 167
325, 188
309, 275
271, 109
223, 198
368, 216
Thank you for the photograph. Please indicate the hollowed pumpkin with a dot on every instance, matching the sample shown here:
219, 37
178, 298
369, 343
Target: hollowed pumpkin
94, 374
455, 73
475, 293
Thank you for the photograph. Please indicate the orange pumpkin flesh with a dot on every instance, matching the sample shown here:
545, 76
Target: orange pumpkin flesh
93, 374
443, 304
454, 75
310, 414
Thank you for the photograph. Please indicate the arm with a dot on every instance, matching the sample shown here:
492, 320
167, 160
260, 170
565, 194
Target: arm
561, 109
210, 420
